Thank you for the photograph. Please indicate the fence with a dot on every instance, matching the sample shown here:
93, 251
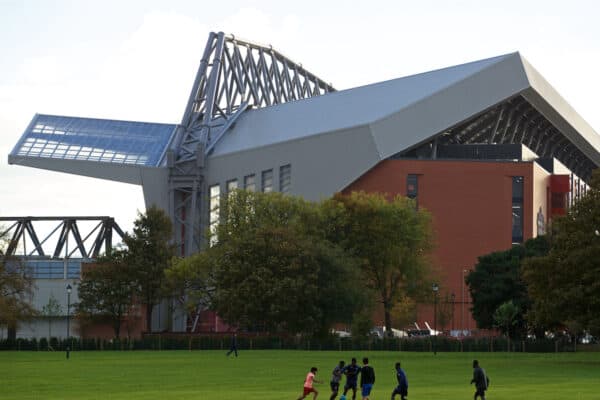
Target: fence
220, 342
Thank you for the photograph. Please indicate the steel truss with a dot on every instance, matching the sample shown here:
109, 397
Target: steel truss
513, 121
22, 230
234, 75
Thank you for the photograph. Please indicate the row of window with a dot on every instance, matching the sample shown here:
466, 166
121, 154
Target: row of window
50, 269
249, 183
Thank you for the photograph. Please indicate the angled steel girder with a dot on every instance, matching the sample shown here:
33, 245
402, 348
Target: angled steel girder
234, 75
22, 229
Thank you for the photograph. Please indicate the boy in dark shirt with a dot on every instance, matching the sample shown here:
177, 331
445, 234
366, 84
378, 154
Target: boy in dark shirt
351, 371
402, 388
336, 377
367, 379
480, 379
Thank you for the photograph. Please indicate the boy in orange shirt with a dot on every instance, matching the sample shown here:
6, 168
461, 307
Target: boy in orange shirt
308, 384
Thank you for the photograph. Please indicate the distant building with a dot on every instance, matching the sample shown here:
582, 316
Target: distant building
489, 147
56, 251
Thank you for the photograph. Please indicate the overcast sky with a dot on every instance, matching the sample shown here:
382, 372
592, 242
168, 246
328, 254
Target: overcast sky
136, 60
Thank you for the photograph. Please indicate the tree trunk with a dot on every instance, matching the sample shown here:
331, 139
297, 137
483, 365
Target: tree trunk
387, 315
117, 326
11, 332
148, 318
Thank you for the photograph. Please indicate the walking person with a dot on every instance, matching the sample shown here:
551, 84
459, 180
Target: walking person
351, 371
367, 379
480, 379
402, 388
233, 347
336, 377
308, 385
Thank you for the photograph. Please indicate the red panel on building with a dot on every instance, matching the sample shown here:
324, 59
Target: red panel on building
560, 184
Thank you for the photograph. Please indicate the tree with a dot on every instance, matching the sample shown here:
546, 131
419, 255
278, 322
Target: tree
496, 280
107, 290
149, 254
16, 291
273, 268
51, 310
193, 279
564, 285
391, 241
505, 317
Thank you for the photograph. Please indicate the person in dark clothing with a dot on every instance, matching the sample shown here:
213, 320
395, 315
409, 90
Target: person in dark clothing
336, 377
351, 371
233, 347
402, 388
367, 379
480, 379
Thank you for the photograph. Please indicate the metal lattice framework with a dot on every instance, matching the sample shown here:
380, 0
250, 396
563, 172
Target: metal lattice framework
88, 244
512, 121
234, 75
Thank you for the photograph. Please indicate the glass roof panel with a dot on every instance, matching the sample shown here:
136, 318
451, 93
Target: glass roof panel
90, 139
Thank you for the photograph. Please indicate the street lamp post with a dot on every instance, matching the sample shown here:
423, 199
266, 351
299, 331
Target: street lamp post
462, 301
68, 320
435, 289
452, 299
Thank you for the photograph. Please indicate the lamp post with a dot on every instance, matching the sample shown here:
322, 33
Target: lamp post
452, 299
462, 301
68, 320
435, 289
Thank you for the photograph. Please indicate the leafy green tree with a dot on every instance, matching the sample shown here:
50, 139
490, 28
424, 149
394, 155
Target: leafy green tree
505, 317
107, 290
564, 285
391, 241
51, 310
193, 279
274, 268
496, 280
16, 291
149, 254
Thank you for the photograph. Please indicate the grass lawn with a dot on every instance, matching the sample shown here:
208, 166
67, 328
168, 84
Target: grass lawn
278, 375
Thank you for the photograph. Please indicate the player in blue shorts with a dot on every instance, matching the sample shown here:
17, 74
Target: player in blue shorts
367, 379
351, 371
402, 388
336, 377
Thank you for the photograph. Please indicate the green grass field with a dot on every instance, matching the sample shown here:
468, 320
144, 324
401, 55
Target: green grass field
278, 375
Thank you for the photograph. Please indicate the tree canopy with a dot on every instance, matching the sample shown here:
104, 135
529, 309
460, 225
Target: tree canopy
16, 291
107, 290
149, 254
273, 269
390, 240
565, 284
281, 263
496, 280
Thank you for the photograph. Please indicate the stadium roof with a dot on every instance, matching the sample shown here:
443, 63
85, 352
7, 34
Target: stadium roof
403, 113
490, 97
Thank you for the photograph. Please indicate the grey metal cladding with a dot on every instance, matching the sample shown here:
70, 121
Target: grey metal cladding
321, 164
452, 104
342, 109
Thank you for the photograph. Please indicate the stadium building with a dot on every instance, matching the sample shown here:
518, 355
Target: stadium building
488, 147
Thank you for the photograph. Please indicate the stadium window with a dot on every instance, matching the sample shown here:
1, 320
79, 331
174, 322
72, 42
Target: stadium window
215, 198
412, 188
250, 183
285, 178
517, 209
232, 185
267, 181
